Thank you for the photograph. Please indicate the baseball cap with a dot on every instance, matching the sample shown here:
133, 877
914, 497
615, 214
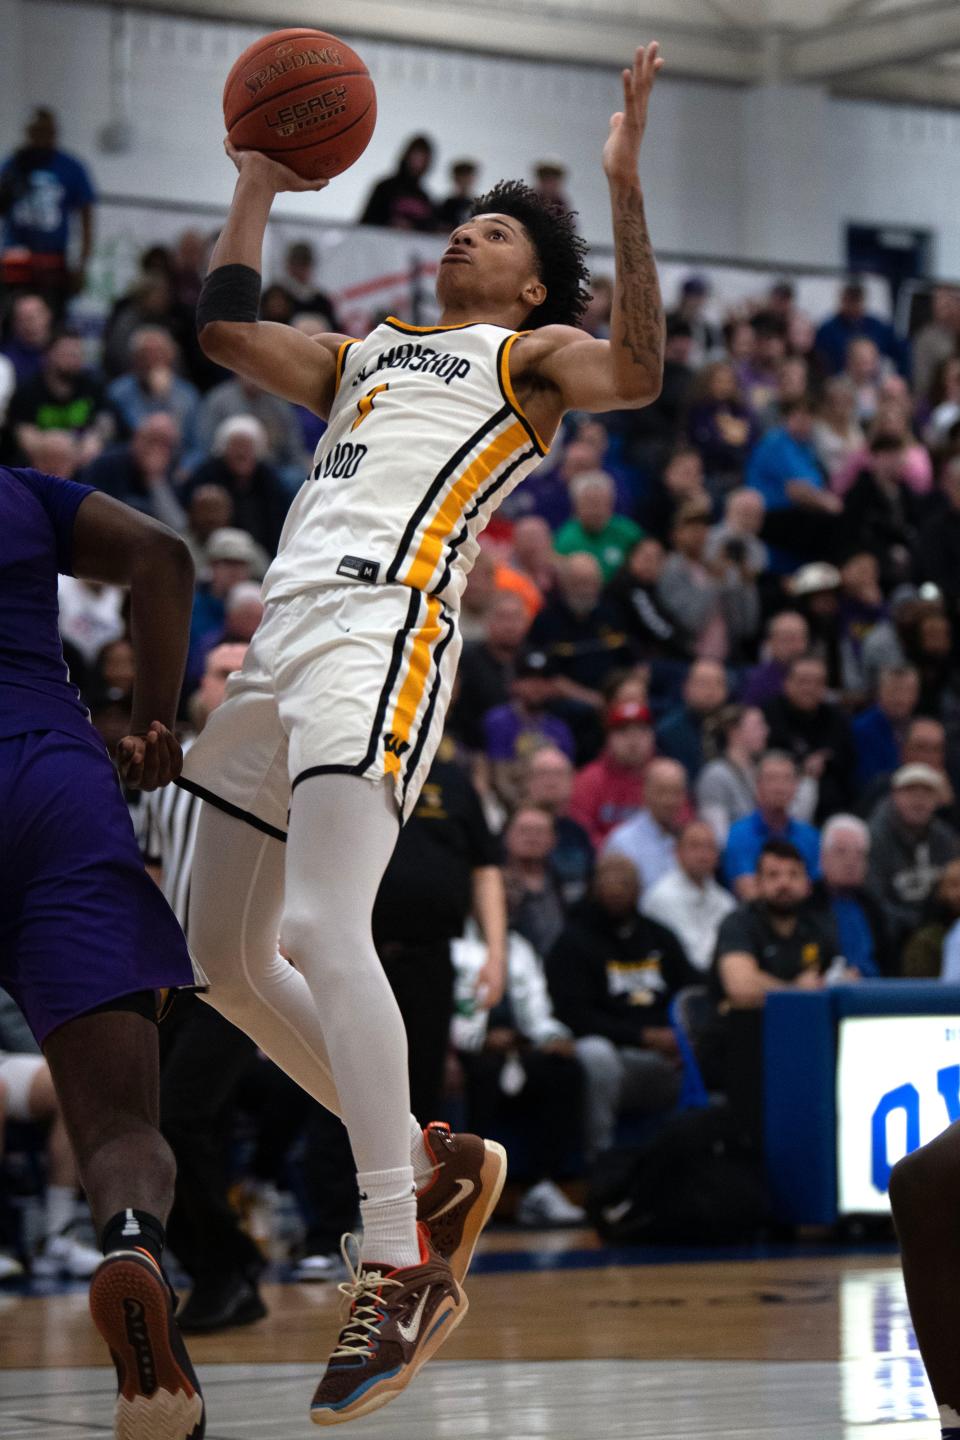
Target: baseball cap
627, 712
229, 543
535, 665
917, 774
812, 578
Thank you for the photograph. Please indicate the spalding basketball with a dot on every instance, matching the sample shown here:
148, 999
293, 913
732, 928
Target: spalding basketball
304, 98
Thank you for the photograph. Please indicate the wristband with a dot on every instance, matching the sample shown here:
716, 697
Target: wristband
231, 292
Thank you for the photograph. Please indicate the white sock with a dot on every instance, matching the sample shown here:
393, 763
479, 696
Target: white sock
59, 1209
419, 1155
388, 1205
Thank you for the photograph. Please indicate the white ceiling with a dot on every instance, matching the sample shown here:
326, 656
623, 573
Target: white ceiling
888, 49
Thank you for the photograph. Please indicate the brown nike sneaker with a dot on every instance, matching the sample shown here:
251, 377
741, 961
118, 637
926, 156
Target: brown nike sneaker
398, 1319
463, 1193
157, 1391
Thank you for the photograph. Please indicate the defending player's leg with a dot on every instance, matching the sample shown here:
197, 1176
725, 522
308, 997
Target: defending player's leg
105, 1066
925, 1197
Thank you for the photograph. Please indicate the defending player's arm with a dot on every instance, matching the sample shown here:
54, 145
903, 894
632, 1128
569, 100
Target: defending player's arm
626, 370
279, 358
118, 546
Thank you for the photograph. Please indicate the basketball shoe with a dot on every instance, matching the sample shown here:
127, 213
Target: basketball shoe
398, 1319
462, 1195
158, 1394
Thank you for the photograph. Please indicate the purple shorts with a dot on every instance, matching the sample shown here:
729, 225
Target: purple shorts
81, 922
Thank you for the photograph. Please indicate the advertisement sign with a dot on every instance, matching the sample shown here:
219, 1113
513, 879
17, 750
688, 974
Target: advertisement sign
898, 1086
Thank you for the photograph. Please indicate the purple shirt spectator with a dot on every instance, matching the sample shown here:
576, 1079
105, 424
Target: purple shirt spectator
508, 731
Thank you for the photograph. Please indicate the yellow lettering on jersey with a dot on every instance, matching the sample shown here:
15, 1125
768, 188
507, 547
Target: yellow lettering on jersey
365, 405
411, 692
448, 516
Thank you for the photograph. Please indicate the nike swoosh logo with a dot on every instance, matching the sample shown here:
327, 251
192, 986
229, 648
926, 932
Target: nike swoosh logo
411, 1331
465, 1188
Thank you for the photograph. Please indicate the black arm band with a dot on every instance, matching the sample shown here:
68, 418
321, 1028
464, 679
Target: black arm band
231, 292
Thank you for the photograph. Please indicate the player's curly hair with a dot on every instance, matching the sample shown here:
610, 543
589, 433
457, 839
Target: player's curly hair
560, 251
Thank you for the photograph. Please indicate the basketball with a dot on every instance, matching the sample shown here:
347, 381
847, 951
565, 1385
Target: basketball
304, 98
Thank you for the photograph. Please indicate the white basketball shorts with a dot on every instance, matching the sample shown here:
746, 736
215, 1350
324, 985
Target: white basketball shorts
346, 680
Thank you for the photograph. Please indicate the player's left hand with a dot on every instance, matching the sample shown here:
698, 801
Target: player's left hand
621, 153
149, 760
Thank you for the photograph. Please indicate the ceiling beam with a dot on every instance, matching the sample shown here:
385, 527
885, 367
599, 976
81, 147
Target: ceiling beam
896, 38
561, 31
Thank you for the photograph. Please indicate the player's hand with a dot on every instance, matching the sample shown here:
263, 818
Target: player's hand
622, 150
150, 760
269, 172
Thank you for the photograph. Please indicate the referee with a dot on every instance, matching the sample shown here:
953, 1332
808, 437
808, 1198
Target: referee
203, 1058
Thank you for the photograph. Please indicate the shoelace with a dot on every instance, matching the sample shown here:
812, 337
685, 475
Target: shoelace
366, 1304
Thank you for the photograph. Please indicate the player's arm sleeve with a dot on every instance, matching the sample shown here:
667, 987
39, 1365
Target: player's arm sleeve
61, 499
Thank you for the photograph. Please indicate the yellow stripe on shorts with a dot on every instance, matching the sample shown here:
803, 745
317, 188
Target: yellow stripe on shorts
414, 685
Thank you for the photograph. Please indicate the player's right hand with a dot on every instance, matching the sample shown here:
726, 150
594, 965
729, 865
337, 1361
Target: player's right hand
270, 172
150, 760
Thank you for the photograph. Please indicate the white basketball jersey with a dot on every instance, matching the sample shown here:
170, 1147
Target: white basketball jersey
425, 439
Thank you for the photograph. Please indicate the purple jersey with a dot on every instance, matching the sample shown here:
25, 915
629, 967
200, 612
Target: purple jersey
37, 513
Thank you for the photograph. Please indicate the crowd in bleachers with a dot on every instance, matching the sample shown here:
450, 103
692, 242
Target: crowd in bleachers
710, 692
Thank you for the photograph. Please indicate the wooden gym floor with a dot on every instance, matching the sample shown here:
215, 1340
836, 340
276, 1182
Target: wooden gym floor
563, 1340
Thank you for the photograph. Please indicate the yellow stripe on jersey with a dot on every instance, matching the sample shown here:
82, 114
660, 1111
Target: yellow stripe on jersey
411, 692
447, 518
506, 385
341, 357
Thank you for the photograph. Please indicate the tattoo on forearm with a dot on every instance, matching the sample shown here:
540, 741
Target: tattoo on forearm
638, 317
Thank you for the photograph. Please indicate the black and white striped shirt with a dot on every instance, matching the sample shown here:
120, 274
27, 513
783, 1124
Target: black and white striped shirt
167, 832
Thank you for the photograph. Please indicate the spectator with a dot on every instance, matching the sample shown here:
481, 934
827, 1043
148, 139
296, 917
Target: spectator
232, 559
299, 280
610, 788
479, 595
239, 396
455, 209
612, 975
649, 838
860, 608
680, 734
923, 952
57, 452
837, 433
850, 323
800, 511
579, 630
735, 540
141, 472
548, 785
944, 404
596, 318
865, 371
938, 340
399, 202
239, 465
210, 508
534, 904
938, 546
152, 304
28, 334
243, 611
924, 743
758, 374
878, 733
815, 592
681, 482
719, 608
532, 569
726, 788
151, 386
804, 724
842, 893
42, 188
893, 417
513, 731
792, 384
521, 1069
595, 529
777, 940
720, 426
687, 898
777, 783
487, 667
647, 622
653, 432
690, 310
909, 848
65, 395
549, 179
788, 637
881, 514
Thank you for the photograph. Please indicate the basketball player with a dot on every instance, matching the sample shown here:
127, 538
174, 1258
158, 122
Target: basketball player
86, 938
338, 709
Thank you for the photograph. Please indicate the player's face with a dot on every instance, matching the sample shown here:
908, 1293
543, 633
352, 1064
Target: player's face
489, 260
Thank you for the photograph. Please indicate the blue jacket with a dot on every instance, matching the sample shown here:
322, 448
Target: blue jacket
748, 836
